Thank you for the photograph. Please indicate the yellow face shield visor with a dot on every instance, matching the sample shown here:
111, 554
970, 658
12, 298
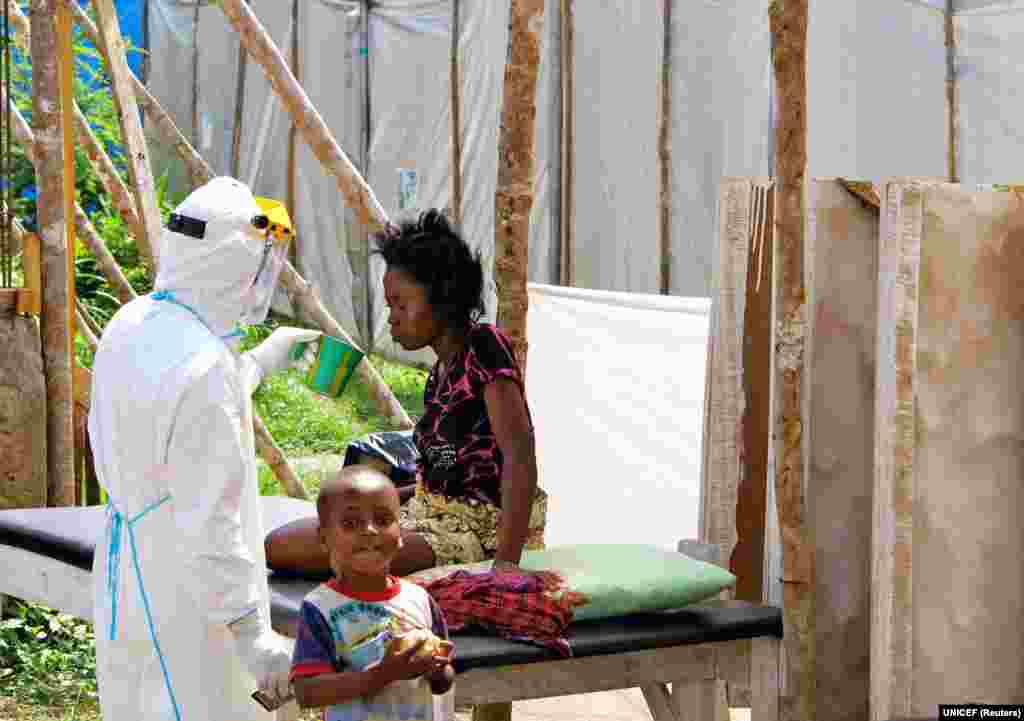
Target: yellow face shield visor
277, 226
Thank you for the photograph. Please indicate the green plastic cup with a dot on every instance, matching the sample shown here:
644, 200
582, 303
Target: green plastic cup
336, 361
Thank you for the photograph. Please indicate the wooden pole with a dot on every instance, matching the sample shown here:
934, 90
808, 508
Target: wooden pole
195, 79
103, 166
54, 321
97, 154
665, 153
357, 193
134, 140
65, 28
455, 82
236, 130
788, 23
265, 444
292, 137
952, 95
21, 25
568, 143
106, 262
303, 296
261, 47
199, 171
513, 196
363, 236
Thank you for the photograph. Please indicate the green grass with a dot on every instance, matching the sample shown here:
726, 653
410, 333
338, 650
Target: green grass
306, 423
47, 659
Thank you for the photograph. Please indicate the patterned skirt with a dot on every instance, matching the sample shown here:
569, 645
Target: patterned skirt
465, 530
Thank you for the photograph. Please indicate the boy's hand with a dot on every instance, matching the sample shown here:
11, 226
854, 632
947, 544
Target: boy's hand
442, 677
406, 665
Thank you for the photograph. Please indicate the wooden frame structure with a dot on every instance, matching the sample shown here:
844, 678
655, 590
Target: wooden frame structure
679, 682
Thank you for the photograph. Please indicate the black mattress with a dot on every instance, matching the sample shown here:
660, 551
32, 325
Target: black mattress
69, 535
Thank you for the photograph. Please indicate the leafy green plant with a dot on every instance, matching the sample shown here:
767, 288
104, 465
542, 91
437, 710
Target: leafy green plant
94, 98
46, 657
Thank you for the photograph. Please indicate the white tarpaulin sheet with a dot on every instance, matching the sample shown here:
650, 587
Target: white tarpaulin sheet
721, 123
617, 67
615, 384
989, 65
876, 89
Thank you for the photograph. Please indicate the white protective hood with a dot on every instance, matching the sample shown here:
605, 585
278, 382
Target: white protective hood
212, 274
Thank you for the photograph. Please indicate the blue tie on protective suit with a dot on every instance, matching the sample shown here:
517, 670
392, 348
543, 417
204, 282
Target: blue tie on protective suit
182, 614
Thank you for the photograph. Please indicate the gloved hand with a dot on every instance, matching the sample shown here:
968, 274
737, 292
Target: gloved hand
266, 654
274, 354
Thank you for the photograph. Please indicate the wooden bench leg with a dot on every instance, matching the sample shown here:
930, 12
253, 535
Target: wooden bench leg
659, 702
700, 701
492, 712
765, 679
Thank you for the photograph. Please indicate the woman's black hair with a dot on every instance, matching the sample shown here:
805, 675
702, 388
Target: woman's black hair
437, 257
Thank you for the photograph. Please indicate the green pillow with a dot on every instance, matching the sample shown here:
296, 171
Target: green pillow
617, 579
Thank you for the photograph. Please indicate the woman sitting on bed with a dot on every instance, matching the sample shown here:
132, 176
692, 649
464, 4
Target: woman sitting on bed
476, 496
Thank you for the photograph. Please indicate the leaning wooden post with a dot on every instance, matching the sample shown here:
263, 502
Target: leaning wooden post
357, 194
199, 170
136, 152
55, 318
568, 144
952, 95
265, 444
86, 232
257, 42
21, 25
513, 197
788, 22
100, 161
455, 83
665, 153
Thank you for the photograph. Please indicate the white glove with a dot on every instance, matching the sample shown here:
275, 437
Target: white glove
274, 354
266, 654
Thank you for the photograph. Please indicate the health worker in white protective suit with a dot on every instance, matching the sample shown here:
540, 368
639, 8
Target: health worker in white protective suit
182, 616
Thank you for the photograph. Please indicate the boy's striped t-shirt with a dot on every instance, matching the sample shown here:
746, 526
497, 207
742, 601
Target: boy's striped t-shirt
344, 630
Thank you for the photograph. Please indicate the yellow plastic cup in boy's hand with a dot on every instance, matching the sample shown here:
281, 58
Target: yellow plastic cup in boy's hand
335, 362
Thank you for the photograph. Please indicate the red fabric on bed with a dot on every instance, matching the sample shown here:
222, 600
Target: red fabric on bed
520, 606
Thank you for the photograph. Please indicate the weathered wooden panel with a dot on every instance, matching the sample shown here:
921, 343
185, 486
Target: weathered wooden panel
968, 541
948, 587
842, 247
724, 403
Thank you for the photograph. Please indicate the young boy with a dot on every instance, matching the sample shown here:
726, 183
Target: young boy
342, 660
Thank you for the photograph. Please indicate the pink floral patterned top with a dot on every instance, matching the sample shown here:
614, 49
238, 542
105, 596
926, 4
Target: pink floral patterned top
459, 454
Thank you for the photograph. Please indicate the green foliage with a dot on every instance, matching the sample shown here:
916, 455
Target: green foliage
306, 423
46, 657
94, 98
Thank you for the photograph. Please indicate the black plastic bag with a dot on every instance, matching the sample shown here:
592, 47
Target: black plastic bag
395, 449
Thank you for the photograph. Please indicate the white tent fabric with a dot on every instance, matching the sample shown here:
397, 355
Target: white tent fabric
989, 66
876, 89
617, 66
721, 123
410, 123
616, 391
876, 107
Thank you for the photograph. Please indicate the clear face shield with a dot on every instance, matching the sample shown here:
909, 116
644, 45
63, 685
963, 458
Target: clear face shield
276, 228
257, 298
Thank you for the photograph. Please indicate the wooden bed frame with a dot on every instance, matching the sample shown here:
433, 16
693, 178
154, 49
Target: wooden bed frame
679, 683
